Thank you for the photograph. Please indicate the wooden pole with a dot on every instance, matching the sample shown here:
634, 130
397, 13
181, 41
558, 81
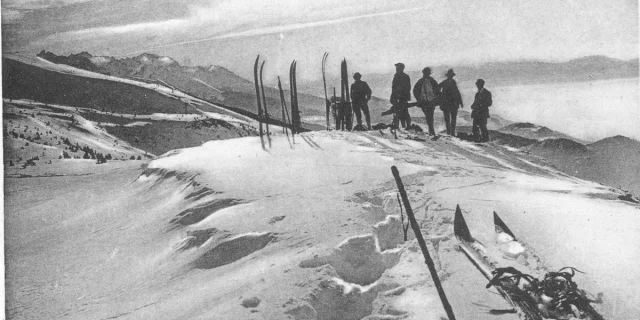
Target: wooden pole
423, 245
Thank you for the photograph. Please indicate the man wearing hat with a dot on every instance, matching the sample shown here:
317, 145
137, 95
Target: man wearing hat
360, 95
400, 96
480, 112
426, 93
450, 100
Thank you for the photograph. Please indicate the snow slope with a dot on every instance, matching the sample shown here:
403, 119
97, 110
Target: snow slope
309, 230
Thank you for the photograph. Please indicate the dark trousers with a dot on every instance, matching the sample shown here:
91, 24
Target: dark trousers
362, 105
428, 113
450, 115
402, 115
480, 131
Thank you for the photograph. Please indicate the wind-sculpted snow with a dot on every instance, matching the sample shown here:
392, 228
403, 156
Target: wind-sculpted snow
198, 213
232, 249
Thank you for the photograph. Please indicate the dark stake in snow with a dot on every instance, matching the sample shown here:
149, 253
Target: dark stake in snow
423, 245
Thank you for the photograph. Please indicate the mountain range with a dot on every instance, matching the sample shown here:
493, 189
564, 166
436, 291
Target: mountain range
612, 161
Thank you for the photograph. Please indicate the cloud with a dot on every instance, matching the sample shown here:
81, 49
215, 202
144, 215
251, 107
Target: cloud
37, 4
160, 26
280, 28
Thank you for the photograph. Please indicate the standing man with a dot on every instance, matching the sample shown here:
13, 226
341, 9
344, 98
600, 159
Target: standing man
400, 96
480, 112
450, 100
360, 95
426, 93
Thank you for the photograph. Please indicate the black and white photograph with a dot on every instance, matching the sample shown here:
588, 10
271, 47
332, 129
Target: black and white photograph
321, 160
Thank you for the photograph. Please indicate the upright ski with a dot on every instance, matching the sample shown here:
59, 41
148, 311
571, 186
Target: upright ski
264, 106
324, 82
295, 112
345, 100
258, 98
285, 112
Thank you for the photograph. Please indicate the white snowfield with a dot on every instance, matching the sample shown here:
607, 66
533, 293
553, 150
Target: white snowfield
230, 231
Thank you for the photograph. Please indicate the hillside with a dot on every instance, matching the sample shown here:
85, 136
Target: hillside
146, 117
213, 83
611, 161
535, 132
47, 133
25, 81
193, 235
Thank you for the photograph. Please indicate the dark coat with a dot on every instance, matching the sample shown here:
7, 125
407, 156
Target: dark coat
481, 104
417, 92
450, 97
400, 88
360, 92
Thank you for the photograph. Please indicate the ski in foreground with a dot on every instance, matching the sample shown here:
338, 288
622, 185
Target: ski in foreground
554, 297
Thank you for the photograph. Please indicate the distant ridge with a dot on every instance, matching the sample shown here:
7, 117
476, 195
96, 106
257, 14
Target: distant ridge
535, 132
508, 73
558, 145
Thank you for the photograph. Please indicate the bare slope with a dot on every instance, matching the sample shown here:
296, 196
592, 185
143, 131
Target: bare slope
213, 83
228, 231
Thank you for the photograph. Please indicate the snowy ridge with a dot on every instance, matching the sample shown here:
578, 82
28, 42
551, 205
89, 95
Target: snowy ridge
312, 230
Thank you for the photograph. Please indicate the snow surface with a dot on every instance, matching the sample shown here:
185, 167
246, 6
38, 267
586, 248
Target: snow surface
310, 230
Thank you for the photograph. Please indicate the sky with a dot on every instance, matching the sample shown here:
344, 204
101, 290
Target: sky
373, 35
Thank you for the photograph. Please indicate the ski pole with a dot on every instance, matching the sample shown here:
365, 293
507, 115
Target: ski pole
423, 245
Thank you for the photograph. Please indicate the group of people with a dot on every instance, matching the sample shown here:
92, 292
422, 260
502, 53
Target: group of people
429, 94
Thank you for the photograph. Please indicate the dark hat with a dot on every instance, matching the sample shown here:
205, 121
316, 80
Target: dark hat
426, 70
357, 75
400, 64
450, 73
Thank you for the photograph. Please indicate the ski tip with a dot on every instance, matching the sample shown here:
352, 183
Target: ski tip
460, 228
500, 226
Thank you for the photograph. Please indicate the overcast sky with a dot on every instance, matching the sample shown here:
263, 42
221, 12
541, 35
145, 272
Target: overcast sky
372, 34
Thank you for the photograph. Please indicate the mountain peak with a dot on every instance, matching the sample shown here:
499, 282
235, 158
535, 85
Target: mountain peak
150, 58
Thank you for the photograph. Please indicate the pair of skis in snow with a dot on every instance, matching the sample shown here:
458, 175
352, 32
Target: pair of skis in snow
261, 101
293, 90
508, 287
263, 114
345, 99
